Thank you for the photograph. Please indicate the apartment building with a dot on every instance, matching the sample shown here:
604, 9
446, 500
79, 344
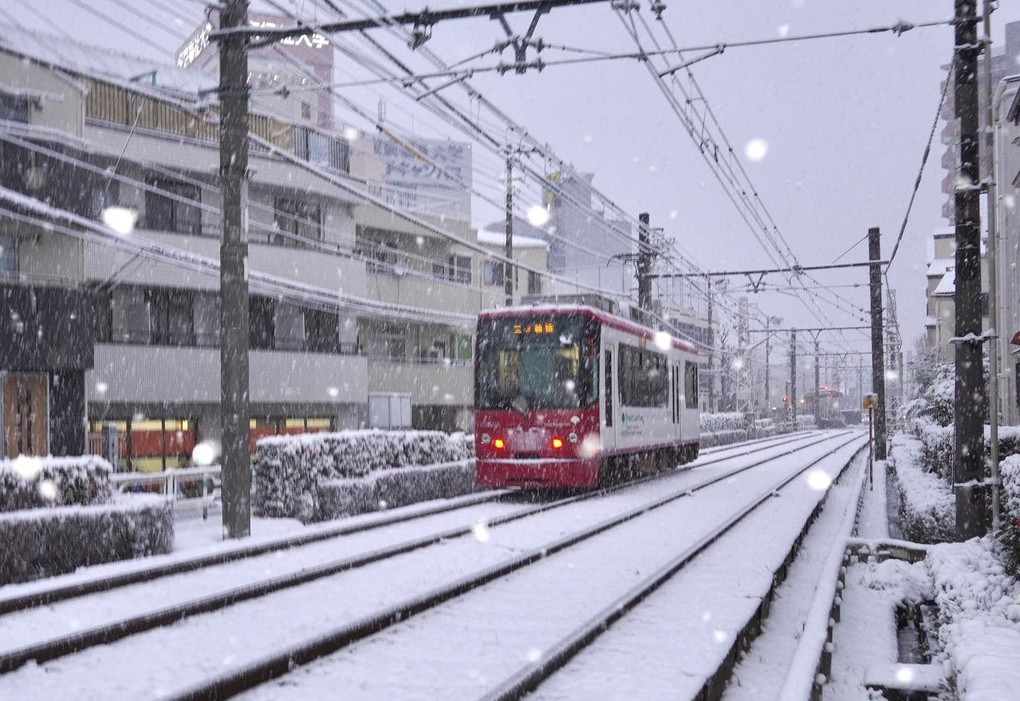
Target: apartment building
347, 297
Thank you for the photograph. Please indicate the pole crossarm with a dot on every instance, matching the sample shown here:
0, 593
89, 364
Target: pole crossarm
797, 269
263, 36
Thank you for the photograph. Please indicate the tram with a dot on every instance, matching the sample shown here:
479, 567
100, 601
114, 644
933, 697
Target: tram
570, 396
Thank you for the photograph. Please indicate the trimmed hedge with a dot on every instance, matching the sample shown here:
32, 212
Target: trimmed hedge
30, 482
1009, 473
289, 470
391, 488
927, 506
51, 541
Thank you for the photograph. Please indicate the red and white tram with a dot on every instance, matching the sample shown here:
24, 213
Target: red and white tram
566, 396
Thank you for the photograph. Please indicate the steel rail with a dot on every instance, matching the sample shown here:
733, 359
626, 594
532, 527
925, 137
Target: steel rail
112, 632
531, 676
277, 664
60, 593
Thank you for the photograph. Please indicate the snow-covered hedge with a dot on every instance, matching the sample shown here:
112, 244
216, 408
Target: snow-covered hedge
392, 488
1009, 473
979, 619
727, 421
927, 507
50, 541
938, 444
289, 470
30, 482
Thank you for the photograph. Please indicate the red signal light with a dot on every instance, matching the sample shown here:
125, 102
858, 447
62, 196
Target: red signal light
785, 399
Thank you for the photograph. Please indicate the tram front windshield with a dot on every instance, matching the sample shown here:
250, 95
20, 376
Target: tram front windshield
534, 363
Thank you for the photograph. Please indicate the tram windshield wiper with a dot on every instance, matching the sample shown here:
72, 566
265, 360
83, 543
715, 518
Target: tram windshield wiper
520, 403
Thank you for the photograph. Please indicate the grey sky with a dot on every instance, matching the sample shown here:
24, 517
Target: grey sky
845, 120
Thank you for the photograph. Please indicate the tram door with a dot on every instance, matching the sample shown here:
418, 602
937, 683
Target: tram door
25, 415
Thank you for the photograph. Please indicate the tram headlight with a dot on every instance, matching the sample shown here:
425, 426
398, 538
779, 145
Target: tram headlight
557, 443
498, 444
572, 438
486, 439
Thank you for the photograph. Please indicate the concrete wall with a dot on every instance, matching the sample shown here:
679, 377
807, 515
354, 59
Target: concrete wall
59, 100
155, 374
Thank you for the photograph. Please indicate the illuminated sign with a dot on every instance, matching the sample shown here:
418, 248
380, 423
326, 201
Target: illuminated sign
534, 329
313, 41
196, 44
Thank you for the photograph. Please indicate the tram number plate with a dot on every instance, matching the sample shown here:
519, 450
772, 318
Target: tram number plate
529, 441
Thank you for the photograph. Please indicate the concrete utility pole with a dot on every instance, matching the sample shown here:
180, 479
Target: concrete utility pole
818, 385
993, 293
508, 268
233, 97
793, 371
968, 459
711, 352
644, 265
768, 349
877, 352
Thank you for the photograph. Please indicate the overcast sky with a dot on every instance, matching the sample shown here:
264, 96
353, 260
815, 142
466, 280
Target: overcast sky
845, 120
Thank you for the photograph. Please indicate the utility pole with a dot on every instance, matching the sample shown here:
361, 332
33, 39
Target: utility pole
768, 348
993, 293
233, 97
711, 352
877, 352
508, 268
968, 459
793, 371
644, 265
818, 385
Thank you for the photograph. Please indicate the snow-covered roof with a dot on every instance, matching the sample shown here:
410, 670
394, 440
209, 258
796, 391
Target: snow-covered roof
944, 231
930, 322
105, 64
941, 266
492, 238
947, 287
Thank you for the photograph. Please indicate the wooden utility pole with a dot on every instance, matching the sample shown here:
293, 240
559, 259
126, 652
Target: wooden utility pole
508, 268
233, 97
644, 265
793, 373
968, 458
877, 340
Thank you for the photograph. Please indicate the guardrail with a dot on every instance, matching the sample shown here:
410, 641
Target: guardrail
173, 482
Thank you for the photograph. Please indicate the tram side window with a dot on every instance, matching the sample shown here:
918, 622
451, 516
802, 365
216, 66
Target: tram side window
644, 378
691, 384
609, 388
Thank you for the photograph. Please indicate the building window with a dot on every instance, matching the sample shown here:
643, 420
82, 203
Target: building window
8, 254
174, 210
460, 269
322, 331
262, 323
306, 110
298, 218
321, 149
14, 108
492, 273
534, 283
172, 317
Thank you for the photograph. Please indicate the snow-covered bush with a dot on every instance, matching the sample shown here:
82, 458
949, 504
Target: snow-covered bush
1009, 473
710, 440
937, 446
50, 541
979, 619
727, 421
927, 507
392, 488
31, 482
290, 469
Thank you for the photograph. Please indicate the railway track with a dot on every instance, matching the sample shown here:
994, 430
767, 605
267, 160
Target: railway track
31, 595
156, 621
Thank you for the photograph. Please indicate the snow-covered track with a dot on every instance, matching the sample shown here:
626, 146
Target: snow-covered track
113, 631
533, 675
146, 573
45, 595
281, 662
